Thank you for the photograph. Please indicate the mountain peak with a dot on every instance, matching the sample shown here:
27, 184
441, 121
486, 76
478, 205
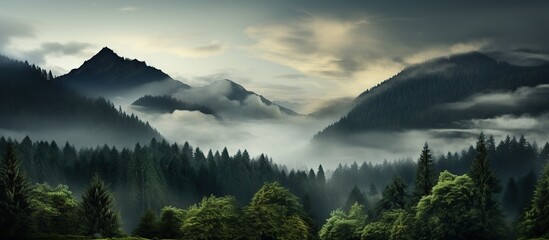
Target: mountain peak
106, 53
106, 71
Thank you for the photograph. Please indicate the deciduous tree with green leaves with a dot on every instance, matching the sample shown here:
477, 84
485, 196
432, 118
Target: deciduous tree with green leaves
344, 226
171, 220
447, 213
213, 218
55, 210
275, 213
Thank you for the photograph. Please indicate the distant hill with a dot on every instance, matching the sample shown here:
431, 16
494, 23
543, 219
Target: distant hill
167, 104
444, 93
106, 74
30, 104
229, 99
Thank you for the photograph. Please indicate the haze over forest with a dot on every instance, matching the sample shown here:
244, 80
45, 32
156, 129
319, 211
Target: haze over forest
165, 109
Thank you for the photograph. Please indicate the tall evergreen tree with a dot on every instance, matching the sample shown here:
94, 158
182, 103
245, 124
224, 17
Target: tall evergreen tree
98, 210
321, 177
511, 201
148, 225
425, 176
15, 207
395, 196
536, 219
355, 196
486, 185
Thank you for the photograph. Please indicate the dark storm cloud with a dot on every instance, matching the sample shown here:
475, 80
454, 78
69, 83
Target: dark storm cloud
402, 32
11, 28
55, 48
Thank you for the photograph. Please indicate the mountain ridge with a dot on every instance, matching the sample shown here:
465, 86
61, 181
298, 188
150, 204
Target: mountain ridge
415, 97
108, 73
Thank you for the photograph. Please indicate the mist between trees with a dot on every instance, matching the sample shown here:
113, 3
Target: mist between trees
265, 199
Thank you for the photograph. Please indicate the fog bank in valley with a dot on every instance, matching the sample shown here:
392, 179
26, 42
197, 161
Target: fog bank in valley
289, 140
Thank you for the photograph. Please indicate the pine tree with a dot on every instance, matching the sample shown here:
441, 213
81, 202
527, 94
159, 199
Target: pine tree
394, 196
15, 207
486, 184
355, 196
511, 201
148, 225
98, 210
425, 176
373, 190
536, 219
321, 177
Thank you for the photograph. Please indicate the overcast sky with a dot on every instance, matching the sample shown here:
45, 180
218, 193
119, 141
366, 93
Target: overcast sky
302, 53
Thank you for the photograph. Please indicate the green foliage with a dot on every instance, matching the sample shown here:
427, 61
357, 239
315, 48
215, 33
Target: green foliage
447, 213
486, 185
536, 220
395, 196
269, 212
171, 220
212, 218
344, 226
15, 209
55, 210
394, 224
425, 175
148, 225
98, 211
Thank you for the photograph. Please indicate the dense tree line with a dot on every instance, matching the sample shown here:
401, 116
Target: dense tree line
30, 101
456, 207
415, 98
169, 178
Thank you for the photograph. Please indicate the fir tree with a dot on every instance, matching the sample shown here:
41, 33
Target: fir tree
355, 196
536, 219
321, 177
425, 176
98, 210
15, 207
394, 197
148, 225
486, 184
511, 201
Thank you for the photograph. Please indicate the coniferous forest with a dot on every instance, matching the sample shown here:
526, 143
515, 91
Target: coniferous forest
274, 120
176, 191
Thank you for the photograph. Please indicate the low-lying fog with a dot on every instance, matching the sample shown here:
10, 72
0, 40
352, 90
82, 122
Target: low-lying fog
289, 140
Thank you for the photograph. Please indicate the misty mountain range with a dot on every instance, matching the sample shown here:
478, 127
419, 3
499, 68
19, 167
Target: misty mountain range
32, 104
108, 75
456, 92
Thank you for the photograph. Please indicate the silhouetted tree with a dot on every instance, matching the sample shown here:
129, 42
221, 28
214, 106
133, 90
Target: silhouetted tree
536, 219
486, 184
15, 207
425, 175
98, 210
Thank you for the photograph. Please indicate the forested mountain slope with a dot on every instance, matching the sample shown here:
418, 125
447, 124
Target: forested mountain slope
447, 92
31, 103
